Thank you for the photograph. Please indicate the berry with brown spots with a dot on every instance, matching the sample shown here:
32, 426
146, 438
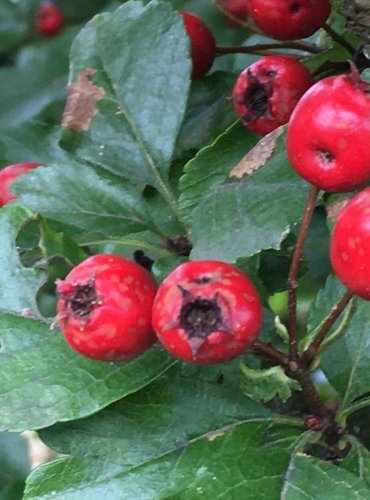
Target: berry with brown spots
266, 92
104, 308
207, 312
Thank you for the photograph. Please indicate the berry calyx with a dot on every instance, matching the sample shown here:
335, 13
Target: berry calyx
207, 312
328, 134
203, 45
289, 19
8, 175
49, 19
350, 244
266, 92
104, 308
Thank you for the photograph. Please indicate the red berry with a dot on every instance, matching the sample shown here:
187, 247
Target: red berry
8, 176
203, 45
207, 312
266, 92
49, 19
237, 8
350, 245
328, 134
104, 308
289, 19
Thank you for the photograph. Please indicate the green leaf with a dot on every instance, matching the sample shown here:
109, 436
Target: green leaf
209, 168
38, 79
44, 381
311, 478
31, 141
209, 112
86, 197
154, 445
142, 89
55, 244
14, 466
18, 285
255, 213
12, 26
358, 460
264, 385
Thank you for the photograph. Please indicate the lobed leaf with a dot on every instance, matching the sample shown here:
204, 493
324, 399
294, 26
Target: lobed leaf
44, 381
88, 198
18, 285
328, 478
255, 213
137, 59
154, 445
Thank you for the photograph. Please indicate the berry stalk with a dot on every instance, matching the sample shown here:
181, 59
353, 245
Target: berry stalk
311, 351
253, 49
293, 274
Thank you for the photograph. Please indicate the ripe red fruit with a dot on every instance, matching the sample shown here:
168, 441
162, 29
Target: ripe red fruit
328, 134
266, 92
203, 45
49, 19
8, 176
289, 19
237, 8
350, 244
104, 308
207, 312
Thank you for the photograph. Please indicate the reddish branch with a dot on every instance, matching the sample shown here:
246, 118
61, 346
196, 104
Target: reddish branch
311, 351
253, 49
293, 274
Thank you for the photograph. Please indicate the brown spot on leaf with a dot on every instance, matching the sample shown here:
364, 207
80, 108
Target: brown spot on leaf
81, 102
257, 156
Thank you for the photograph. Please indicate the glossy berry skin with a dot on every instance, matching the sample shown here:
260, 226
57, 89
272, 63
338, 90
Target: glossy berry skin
289, 19
203, 45
350, 245
237, 8
207, 312
8, 175
104, 308
49, 19
266, 92
328, 134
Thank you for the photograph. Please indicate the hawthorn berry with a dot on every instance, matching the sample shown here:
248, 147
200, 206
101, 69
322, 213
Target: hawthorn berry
266, 92
104, 308
207, 312
289, 19
203, 45
237, 8
8, 176
350, 244
49, 19
328, 133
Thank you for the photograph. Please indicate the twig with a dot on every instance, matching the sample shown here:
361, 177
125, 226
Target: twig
270, 352
253, 49
293, 273
339, 39
313, 348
